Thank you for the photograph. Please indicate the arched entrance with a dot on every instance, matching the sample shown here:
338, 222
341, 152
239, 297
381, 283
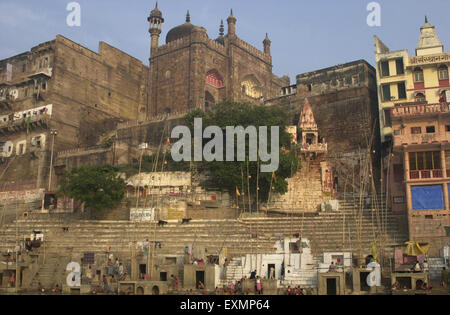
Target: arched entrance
155, 290
140, 291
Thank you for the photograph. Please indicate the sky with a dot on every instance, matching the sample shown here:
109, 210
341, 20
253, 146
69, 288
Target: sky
306, 35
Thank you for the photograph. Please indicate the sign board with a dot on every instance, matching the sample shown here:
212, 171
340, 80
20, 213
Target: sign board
141, 214
22, 195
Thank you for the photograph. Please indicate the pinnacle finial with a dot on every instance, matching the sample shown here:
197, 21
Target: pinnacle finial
221, 29
231, 13
156, 6
188, 17
426, 19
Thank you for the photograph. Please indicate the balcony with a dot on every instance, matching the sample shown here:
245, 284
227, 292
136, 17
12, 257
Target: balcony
44, 72
17, 125
316, 148
427, 174
415, 110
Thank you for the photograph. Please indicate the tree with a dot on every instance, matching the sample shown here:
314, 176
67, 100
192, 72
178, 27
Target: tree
229, 175
98, 187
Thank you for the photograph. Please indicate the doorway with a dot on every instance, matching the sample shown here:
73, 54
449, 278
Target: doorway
199, 276
140, 291
142, 270
269, 268
331, 286
155, 290
163, 276
363, 281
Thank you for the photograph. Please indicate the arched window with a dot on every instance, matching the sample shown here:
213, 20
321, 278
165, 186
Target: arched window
209, 100
418, 75
251, 87
214, 78
420, 98
443, 72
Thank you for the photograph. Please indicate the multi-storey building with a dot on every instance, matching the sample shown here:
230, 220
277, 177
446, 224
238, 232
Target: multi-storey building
192, 70
415, 129
62, 92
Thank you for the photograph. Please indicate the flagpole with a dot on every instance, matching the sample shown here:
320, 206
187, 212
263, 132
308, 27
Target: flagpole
257, 185
242, 188
270, 190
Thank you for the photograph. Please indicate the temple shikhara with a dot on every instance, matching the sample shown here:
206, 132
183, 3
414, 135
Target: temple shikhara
365, 212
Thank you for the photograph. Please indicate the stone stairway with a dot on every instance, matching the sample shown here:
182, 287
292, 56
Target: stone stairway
327, 231
304, 190
52, 272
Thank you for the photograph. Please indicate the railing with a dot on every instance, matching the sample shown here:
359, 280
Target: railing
22, 122
419, 109
427, 174
319, 147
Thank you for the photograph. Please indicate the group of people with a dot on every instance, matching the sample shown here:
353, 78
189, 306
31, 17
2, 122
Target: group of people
206, 259
418, 267
295, 291
56, 289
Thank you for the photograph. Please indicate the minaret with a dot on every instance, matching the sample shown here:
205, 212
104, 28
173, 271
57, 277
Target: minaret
267, 43
156, 20
231, 24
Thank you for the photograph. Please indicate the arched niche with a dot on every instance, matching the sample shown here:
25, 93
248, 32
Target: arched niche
251, 87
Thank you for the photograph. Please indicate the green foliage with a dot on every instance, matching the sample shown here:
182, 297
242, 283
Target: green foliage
98, 186
109, 141
229, 175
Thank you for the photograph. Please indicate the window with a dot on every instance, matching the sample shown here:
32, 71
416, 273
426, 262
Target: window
385, 68
447, 128
386, 90
399, 199
309, 87
24, 67
418, 75
355, 79
431, 129
420, 98
443, 72
401, 90
416, 130
399, 66
387, 117
430, 160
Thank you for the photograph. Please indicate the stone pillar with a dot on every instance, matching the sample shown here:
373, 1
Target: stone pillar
444, 171
409, 210
406, 165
